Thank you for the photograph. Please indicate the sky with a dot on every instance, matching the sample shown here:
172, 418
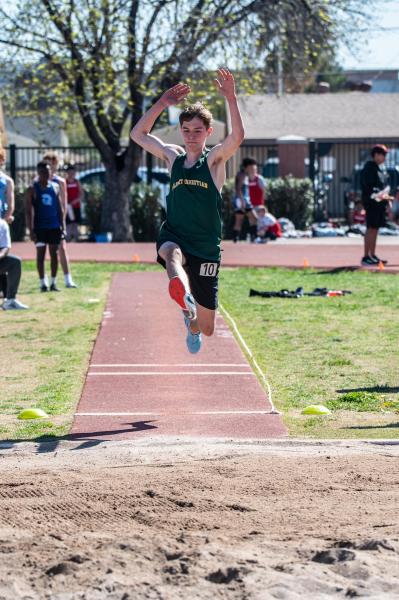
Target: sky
380, 49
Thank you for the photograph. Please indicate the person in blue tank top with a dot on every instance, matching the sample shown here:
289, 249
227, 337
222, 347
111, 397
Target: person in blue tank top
189, 241
45, 217
53, 160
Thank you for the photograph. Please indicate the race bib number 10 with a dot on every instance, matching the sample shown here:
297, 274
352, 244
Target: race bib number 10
209, 269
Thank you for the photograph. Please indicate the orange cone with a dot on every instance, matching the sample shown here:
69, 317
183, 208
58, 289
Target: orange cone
381, 266
305, 263
136, 258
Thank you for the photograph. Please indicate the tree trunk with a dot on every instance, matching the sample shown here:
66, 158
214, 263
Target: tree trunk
115, 215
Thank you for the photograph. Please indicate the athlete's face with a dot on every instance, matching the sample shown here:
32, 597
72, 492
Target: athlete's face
194, 133
53, 162
379, 158
44, 175
251, 171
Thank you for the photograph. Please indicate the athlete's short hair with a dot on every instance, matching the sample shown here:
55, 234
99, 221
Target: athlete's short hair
50, 155
379, 149
246, 162
196, 110
43, 165
3, 154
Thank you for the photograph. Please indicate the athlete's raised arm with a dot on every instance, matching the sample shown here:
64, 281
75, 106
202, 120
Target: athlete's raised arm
141, 131
226, 87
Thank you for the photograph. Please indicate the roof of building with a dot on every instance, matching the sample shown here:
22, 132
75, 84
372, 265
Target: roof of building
339, 116
20, 140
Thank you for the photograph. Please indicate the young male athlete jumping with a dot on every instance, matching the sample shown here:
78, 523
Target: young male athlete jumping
189, 240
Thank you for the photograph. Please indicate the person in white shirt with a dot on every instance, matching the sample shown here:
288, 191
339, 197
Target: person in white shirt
268, 226
10, 266
7, 205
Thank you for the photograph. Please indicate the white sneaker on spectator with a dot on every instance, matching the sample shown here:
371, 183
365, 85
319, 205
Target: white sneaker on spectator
13, 304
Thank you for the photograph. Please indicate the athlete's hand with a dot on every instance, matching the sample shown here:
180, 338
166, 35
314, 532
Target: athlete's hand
9, 219
175, 94
225, 83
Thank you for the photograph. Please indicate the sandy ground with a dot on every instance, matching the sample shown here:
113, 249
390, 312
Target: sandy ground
187, 519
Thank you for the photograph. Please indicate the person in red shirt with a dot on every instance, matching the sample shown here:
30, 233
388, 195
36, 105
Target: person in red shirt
256, 183
359, 214
74, 198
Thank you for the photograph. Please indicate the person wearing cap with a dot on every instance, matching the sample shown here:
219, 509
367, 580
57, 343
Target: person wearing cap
374, 181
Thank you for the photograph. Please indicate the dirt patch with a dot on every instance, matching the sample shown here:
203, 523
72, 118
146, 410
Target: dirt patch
183, 520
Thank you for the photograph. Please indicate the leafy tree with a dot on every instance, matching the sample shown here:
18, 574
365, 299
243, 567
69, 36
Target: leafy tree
108, 59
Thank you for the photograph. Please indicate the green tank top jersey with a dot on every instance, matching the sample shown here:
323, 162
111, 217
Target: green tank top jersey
193, 210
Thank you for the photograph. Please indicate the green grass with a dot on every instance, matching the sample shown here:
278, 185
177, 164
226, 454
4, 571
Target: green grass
46, 351
340, 351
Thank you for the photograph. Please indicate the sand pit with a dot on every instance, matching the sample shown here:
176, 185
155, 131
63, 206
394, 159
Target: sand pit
188, 519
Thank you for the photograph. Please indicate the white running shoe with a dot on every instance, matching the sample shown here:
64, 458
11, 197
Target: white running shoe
13, 304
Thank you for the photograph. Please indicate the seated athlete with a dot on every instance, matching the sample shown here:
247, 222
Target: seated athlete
189, 239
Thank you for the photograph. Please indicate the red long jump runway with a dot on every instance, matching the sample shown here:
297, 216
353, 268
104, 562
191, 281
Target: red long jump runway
321, 253
143, 381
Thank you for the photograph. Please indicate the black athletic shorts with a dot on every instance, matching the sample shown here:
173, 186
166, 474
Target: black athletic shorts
203, 277
375, 214
48, 236
238, 210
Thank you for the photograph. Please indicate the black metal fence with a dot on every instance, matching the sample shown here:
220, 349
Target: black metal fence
336, 166
341, 160
22, 161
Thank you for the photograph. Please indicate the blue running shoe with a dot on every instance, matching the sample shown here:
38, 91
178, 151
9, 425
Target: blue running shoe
193, 340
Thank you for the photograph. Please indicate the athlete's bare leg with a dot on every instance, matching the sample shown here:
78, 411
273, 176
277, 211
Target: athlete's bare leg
63, 257
205, 320
40, 256
238, 220
370, 241
53, 259
174, 261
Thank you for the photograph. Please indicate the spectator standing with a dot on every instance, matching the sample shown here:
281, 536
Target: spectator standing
7, 205
242, 204
10, 266
52, 159
374, 180
256, 184
74, 198
45, 218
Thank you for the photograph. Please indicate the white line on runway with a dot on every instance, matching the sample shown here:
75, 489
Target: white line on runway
138, 373
158, 414
246, 365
